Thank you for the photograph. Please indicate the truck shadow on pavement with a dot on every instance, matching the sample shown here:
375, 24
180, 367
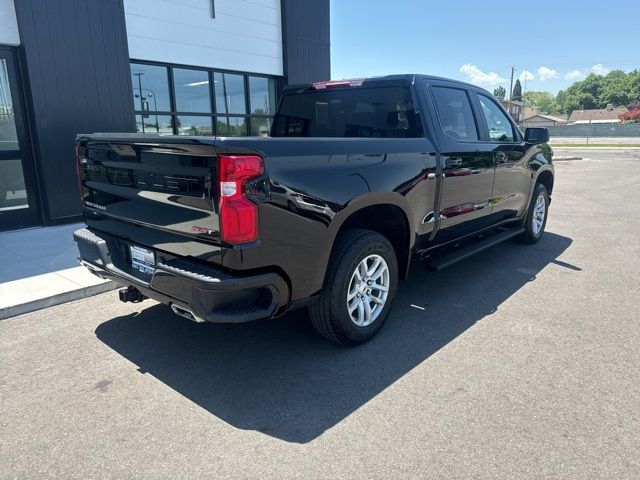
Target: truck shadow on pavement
280, 378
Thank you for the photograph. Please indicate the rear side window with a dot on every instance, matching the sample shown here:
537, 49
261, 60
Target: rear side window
383, 112
454, 111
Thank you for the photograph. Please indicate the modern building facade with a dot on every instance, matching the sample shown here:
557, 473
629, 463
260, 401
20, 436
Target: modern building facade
184, 67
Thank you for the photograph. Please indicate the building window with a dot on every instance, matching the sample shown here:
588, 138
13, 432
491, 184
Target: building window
192, 90
231, 126
196, 101
151, 122
194, 125
262, 95
150, 88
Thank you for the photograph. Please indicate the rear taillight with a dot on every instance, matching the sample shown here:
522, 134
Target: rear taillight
238, 214
79, 175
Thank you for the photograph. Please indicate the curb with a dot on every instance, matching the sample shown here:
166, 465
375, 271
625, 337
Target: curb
564, 159
64, 297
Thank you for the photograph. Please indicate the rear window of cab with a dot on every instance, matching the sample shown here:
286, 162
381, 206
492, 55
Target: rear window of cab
370, 112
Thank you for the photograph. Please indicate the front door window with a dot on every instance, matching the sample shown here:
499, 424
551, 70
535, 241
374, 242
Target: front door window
500, 128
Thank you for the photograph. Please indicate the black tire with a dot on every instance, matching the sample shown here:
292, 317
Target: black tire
329, 315
531, 234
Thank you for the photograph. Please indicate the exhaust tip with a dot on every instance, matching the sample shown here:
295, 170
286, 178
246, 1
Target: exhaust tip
186, 313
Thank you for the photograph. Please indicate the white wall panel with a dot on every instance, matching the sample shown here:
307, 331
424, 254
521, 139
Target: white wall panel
8, 24
245, 35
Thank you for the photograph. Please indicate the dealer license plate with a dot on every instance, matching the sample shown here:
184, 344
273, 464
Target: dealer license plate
142, 259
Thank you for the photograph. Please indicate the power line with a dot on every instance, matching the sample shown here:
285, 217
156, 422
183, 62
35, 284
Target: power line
563, 65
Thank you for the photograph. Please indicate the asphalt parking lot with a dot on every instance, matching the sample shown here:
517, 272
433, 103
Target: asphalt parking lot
524, 363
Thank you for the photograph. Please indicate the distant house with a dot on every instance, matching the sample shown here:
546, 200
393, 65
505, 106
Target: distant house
516, 109
540, 120
598, 115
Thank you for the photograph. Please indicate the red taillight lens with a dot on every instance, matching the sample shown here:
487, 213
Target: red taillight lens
238, 214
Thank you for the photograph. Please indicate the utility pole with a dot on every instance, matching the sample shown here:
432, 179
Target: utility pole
139, 75
524, 90
513, 69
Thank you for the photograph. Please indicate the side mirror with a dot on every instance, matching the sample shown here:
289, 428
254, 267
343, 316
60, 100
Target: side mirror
536, 135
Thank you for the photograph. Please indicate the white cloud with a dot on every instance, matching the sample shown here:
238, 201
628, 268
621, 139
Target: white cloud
477, 76
574, 75
527, 75
546, 73
600, 69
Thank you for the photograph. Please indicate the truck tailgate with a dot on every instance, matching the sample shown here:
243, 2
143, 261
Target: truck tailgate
153, 191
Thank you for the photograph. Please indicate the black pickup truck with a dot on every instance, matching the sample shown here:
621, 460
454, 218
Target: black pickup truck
357, 179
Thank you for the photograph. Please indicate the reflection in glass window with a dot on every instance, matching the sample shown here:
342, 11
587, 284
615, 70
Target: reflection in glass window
230, 96
456, 116
179, 100
150, 88
13, 194
192, 90
262, 92
500, 129
150, 123
194, 125
231, 126
260, 127
8, 135
381, 112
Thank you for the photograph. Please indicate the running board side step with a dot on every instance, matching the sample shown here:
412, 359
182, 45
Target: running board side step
445, 261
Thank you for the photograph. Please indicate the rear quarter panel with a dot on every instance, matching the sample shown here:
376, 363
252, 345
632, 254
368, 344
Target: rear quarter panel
315, 184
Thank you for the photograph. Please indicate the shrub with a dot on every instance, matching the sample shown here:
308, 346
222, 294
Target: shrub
630, 116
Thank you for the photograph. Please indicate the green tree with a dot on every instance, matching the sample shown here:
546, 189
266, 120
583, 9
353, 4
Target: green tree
542, 101
617, 88
633, 84
558, 103
516, 95
500, 93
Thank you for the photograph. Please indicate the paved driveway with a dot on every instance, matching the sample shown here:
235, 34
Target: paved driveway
524, 363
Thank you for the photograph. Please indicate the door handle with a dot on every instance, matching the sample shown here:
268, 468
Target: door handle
501, 157
453, 162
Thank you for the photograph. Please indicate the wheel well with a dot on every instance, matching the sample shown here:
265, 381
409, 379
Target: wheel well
546, 179
387, 220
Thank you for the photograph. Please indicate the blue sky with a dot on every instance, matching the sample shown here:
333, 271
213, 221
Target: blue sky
553, 43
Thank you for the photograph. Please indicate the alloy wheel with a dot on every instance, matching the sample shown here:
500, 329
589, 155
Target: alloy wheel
368, 290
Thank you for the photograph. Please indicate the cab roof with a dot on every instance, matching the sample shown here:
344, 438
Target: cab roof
386, 80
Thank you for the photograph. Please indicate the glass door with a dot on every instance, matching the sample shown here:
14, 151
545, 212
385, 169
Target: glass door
18, 203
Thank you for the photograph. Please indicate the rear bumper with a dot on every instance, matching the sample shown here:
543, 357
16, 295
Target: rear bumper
208, 293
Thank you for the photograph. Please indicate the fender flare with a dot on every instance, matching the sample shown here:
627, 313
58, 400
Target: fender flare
544, 168
369, 199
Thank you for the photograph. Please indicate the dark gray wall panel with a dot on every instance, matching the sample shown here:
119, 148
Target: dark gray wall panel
306, 39
77, 64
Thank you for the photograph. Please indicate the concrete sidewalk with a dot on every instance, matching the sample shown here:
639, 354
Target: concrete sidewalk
38, 269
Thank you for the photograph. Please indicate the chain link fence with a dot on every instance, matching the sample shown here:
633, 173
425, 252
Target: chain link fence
596, 130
